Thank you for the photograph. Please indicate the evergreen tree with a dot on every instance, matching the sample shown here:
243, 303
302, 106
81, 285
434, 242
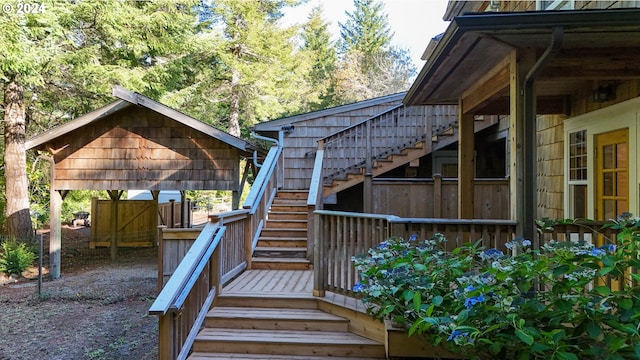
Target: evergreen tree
366, 30
368, 56
253, 69
61, 61
319, 47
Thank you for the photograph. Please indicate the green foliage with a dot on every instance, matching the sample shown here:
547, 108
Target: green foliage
550, 303
15, 257
370, 66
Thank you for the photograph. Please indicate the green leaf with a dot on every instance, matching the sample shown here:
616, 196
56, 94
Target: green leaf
407, 295
594, 330
417, 300
524, 337
603, 290
625, 303
437, 300
562, 355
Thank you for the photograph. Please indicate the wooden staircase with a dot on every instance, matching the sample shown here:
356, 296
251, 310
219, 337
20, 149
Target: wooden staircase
403, 154
278, 324
282, 244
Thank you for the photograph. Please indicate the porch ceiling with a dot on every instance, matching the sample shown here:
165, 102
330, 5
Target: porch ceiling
597, 45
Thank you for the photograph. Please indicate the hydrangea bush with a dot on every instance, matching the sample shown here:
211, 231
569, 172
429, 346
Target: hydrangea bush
513, 303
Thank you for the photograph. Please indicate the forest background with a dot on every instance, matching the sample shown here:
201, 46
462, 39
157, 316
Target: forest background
229, 63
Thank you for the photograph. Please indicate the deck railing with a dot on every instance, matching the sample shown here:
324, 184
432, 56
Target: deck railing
260, 197
221, 251
380, 136
314, 199
184, 301
338, 236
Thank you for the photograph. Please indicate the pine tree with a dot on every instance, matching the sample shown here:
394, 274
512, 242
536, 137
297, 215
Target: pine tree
368, 56
319, 47
254, 71
62, 60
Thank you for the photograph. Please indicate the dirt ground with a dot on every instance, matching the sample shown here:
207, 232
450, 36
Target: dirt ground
97, 310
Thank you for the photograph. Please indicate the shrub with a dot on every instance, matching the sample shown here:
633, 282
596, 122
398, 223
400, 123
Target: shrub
15, 257
549, 303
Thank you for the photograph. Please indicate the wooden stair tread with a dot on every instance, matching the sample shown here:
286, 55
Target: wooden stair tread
281, 260
284, 336
207, 356
283, 238
280, 248
272, 313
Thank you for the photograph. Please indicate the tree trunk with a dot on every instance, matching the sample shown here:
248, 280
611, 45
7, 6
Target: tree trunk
15, 162
234, 105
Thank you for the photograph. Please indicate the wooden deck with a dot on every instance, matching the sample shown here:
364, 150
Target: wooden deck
289, 283
284, 283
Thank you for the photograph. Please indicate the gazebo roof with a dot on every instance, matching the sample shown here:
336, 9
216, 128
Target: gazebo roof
129, 99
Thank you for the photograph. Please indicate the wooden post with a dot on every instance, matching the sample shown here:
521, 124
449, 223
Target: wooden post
319, 271
160, 243
367, 184
55, 235
115, 200
466, 163
521, 62
183, 209
172, 214
437, 195
248, 239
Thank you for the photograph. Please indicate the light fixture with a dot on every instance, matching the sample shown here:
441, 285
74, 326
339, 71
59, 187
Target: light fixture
603, 93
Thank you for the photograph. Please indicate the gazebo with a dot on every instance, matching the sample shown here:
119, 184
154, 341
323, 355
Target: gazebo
136, 143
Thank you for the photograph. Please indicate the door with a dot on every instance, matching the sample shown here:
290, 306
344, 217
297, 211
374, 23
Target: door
612, 174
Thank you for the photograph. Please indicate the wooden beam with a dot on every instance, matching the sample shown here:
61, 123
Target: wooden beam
466, 163
492, 84
594, 64
545, 105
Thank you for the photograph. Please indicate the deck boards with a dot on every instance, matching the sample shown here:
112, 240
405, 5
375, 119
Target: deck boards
271, 282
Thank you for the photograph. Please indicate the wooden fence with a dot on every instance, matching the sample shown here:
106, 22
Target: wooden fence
338, 236
438, 197
136, 221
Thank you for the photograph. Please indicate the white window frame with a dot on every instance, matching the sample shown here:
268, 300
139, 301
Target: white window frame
619, 116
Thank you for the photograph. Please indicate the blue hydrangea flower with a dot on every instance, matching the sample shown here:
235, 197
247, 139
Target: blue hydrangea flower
470, 302
597, 252
383, 245
454, 335
610, 248
358, 287
413, 237
526, 242
491, 254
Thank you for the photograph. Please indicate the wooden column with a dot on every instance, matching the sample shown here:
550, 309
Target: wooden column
437, 195
367, 204
55, 234
466, 163
115, 200
521, 62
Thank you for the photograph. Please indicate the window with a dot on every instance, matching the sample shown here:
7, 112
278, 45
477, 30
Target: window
555, 5
578, 173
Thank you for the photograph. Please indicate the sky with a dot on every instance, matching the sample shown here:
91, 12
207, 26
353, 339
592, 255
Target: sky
413, 22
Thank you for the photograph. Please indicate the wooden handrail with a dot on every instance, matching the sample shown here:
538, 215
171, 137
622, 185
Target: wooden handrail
261, 182
315, 188
184, 301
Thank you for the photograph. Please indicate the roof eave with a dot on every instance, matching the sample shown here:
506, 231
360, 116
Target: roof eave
479, 22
